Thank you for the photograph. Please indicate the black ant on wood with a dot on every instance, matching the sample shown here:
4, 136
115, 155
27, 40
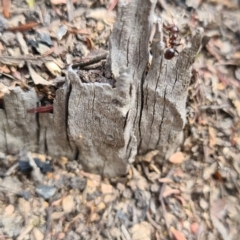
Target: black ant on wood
173, 36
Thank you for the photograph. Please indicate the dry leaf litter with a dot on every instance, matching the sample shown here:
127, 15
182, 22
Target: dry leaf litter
194, 195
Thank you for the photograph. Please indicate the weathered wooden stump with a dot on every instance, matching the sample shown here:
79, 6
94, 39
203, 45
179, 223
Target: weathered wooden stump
105, 124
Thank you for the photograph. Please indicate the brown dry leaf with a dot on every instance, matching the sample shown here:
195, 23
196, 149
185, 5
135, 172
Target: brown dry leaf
112, 5
3, 90
6, 4
209, 171
57, 215
92, 183
63, 161
106, 188
37, 79
4, 69
218, 208
194, 228
53, 68
109, 198
42, 157
178, 235
148, 156
101, 206
182, 200
22, 43
68, 204
9, 210
142, 184
96, 179
90, 43
102, 14
78, 31
177, 158
141, 231
25, 232
24, 206
193, 3
94, 218
37, 234
57, 202
207, 14
165, 180
212, 136
169, 191
56, 2
234, 97
221, 228
61, 235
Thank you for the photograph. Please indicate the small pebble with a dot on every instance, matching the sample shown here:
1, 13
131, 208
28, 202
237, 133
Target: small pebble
155, 188
44, 38
127, 193
25, 194
45, 192
203, 204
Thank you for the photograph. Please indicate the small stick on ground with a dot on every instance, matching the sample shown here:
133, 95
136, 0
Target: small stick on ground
154, 224
162, 202
48, 222
91, 61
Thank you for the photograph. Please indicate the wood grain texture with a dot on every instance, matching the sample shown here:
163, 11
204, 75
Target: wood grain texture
106, 122
19, 127
97, 120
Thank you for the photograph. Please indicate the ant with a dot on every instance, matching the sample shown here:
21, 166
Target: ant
173, 35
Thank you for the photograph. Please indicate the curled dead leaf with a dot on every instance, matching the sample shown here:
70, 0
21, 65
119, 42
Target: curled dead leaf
142, 231
178, 235
182, 200
6, 8
194, 227
68, 204
212, 136
169, 191
37, 79
176, 158
112, 5
9, 210
56, 2
148, 156
3, 89
53, 68
165, 180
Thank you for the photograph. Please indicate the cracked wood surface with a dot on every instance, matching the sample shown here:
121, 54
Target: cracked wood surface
105, 124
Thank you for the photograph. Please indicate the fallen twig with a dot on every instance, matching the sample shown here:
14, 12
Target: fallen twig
162, 202
48, 222
90, 61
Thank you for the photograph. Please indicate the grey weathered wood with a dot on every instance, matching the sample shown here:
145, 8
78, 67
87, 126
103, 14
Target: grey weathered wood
165, 93
106, 122
18, 127
53, 136
98, 125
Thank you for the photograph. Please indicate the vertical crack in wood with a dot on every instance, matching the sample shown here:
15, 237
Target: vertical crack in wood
105, 126
45, 141
161, 122
69, 90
